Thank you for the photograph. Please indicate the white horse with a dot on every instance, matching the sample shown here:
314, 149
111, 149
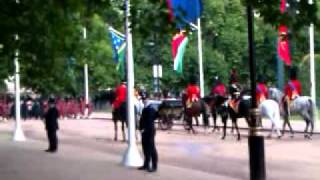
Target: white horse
270, 109
302, 105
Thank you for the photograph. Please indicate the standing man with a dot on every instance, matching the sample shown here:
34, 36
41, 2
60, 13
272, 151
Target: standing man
261, 90
148, 132
51, 123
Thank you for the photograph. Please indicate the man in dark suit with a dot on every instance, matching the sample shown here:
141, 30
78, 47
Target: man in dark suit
51, 123
148, 132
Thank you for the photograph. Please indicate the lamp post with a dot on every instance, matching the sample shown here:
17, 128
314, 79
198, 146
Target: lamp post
255, 142
132, 156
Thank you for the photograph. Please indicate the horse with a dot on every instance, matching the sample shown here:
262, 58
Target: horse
120, 114
268, 109
217, 105
302, 105
196, 109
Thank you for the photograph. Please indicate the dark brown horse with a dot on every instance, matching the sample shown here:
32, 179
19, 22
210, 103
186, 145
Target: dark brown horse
196, 109
217, 106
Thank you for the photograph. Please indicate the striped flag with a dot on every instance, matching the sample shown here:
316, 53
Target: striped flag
118, 50
179, 43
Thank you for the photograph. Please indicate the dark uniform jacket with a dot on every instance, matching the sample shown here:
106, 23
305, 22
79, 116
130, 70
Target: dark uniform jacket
149, 115
51, 119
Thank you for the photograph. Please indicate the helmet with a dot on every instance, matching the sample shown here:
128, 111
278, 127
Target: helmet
144, 95
51, 100
260, 78
293, 73
193, 80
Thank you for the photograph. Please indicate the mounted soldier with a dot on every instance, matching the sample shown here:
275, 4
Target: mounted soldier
192, 91
234, 90
219, 89
293, 88
261, 90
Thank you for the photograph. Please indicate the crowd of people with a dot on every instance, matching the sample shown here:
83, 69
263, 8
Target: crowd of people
35, 108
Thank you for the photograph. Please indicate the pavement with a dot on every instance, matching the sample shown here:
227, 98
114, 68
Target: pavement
87, 152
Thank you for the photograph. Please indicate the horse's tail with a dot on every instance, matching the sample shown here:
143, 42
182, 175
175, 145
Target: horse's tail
312, 110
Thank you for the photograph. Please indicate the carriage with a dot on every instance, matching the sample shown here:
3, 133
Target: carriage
170, 110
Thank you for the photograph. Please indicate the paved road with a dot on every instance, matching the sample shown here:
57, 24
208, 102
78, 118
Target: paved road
88, 152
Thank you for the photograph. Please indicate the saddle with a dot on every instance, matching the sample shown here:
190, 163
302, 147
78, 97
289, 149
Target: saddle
194, 109
261, 98
234, 104
191, 101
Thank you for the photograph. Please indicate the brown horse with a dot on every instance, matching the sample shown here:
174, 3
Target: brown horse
194, 111
217, 107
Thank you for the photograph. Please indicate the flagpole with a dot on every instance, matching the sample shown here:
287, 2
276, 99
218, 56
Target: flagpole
132, 156
86, 82
200, 58
18, 132
312, 65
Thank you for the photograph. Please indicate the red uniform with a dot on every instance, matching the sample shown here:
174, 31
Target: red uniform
219, 89
261, 92
193, 92
292, 89
121, 95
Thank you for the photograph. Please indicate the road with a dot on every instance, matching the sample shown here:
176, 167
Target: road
87, 151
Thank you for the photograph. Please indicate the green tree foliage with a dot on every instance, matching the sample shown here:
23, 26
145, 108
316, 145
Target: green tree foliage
53, 50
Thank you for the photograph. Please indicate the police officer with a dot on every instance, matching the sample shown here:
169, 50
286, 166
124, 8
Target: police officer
51, 123
148, 132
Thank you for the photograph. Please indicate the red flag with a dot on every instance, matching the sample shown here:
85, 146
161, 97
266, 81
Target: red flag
283, 42
283, 45
283, 6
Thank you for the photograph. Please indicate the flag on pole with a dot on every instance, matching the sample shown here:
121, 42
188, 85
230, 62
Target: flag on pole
118, 50
179, 43
184, 11
283, 48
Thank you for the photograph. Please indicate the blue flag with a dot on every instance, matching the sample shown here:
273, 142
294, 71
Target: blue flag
118, 45
185, 11
118, 50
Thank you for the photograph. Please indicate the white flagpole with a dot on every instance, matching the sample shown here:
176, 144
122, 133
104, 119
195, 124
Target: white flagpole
312, 65
132, 156
18, 132
200, 58
86, 82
